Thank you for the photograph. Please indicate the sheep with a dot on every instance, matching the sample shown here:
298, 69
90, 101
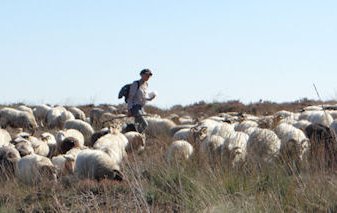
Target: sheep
263, 144
17, 119
78, 113
224, 130
319, 117
65, 164
302, 124
74, 133
116, 143
159, 126
294, 143
211, 148
193, 135
40, 147
179, 150
234, 149
98, 135
5, 137
25, 109
83, 127
40, 113
32, 169
323, 146
54, 119
179, 127
9, 157
23, 146
97, 164
244, 125
136, 142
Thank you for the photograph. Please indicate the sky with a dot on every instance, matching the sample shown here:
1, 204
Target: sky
82, 52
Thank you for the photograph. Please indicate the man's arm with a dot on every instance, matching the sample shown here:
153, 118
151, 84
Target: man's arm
132, 94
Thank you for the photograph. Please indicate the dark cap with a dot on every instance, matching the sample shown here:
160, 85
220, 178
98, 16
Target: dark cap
146, 71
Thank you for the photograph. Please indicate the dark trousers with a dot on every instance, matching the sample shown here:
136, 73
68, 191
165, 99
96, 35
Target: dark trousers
140, 122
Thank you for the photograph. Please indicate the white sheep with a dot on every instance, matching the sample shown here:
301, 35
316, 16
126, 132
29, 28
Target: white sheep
234, 149
54, 119
78, 113
319, 117
294, 143
40, 113
193, 135
25, 109
23, 146
302, 124
65, 164
117, 143
244, 125
224, 130
67, 133
159, 126
179, 150
263, 144
32, 169
5, 137
9, 157
211, 148
136, 142
97, 164
17, 119
40, 147
81, 126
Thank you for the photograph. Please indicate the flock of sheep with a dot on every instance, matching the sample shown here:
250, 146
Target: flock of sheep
94, 146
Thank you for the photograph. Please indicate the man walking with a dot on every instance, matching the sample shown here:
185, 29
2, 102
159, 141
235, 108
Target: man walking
137, 99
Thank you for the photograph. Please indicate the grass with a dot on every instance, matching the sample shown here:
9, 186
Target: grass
152, 185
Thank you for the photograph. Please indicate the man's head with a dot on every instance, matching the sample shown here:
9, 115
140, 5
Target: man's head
145, 74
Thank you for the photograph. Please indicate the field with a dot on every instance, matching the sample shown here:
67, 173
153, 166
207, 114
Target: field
152, 185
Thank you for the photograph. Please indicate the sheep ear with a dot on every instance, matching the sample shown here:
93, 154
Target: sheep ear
203, 130
118, 175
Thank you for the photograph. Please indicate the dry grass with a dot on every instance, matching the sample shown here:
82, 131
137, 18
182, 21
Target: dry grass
151, 185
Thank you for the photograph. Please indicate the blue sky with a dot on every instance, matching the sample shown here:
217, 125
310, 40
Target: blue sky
77, 52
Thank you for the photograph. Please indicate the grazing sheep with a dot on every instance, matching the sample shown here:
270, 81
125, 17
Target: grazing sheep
179, 150
234, 149
224, 130
32, 169
63, 134
244, 125
78, 113
98, 135
67, 144
9, 157
294, 143
23, 146
54, 117
97, 164
65, 164
40, 113
319, 117
323, 146
211, 148
136, 142
116, 143
263, 144
193, 135
83, 127
40, 147
302, 124
5, 137
159, 126
17, 119
25, 109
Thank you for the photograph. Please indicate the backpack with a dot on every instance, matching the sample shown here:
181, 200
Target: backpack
125, 90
